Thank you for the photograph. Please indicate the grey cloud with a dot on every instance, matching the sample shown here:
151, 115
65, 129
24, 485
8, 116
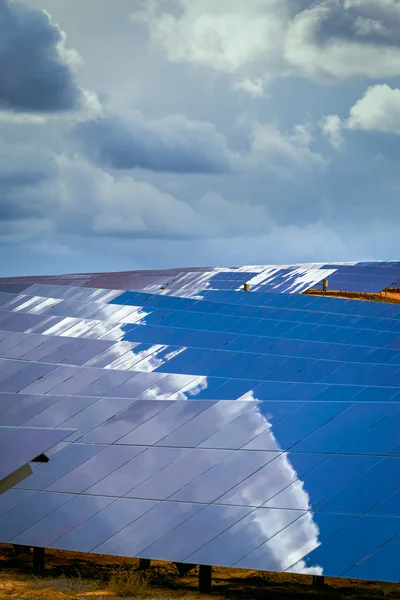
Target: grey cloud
134, 220
111, 190
83, 200
33, 76
328, 42
172, 144
99, 204
368, 23
28, 184
19, 179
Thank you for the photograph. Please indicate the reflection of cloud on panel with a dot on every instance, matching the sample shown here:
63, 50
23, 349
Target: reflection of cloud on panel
199, 385
74, 327
135, 356
62, 326
283, 543
79, 329
113, 354
157, 358
294, 541
300, 567
249, 396
129, 314
144, 361
125, 359
174, 353
291, 278
171, 388
96, 312
33, 304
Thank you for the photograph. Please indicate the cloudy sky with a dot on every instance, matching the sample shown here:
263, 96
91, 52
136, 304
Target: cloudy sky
160, 133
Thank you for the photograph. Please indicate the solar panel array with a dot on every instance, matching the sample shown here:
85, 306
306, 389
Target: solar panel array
350, 277
364, 278
252, 430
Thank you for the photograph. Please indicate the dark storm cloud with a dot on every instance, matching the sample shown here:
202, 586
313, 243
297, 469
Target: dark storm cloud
33, 77
172, 144
78, 187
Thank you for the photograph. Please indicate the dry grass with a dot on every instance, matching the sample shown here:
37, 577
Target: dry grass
130, 582
48, 589
78, 576
127, 580
387, 296
66, 585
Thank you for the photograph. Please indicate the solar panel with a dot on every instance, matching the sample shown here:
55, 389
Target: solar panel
19, 446
255, 430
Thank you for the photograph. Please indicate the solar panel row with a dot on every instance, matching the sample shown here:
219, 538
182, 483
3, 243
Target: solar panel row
281, 460
234, 481
239, 322
364, 277
304, 377
305, 426
253, 305
236, 364
310, 303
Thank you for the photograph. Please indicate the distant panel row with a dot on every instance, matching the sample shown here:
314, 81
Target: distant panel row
294, 301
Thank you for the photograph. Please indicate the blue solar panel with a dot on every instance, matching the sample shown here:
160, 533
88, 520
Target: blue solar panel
18, 446
256, 430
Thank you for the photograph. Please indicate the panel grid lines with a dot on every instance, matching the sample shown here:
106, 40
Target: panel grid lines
203, 424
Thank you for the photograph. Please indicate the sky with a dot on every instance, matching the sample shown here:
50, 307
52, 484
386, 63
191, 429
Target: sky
139, 134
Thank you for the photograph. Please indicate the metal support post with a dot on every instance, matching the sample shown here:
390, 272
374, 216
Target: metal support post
205, 576
318, 582
38, 561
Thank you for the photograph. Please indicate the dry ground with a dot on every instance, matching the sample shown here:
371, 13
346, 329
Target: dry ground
387, 296
77, 576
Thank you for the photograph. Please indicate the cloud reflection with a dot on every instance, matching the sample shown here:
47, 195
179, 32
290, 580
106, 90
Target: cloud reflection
269, 538
279, 539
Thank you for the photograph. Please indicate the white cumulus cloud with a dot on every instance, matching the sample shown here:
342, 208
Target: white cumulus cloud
378, 110
331, 39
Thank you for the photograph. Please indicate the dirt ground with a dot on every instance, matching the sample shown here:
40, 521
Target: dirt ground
77, 576
387, 296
